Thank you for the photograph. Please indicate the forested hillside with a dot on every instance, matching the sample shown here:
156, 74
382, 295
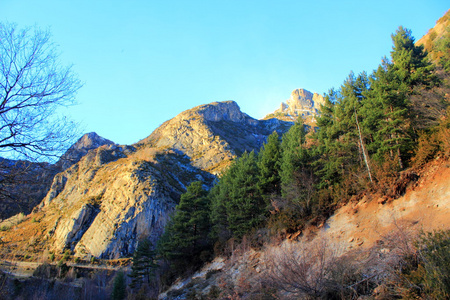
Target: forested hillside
371, 129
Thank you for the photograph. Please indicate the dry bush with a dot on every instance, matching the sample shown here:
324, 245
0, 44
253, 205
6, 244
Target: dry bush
434, 143
417, 266
301, 271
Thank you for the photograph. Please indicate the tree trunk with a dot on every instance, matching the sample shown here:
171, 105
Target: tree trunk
363, 148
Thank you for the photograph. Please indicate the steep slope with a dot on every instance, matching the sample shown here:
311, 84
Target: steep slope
116, 195
213, 134
371, 233
87, 142
24, 183
431, 40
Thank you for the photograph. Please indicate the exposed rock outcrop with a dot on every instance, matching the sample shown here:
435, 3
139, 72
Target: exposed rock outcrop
213, 134
301, 103
23, 184
87, 142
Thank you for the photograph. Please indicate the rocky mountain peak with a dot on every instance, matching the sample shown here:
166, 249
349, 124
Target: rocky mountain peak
88, 141
222, 111
211, 135
301, 103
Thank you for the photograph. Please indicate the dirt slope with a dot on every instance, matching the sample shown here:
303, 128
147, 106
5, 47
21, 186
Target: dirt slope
425, 206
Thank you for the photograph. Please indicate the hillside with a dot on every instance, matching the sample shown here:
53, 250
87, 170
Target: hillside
436, 40
114, 196
212, 135
369, 234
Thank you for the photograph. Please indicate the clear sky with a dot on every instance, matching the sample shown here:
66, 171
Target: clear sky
144, 61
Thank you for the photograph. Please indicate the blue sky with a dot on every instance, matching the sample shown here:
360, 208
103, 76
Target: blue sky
144, 61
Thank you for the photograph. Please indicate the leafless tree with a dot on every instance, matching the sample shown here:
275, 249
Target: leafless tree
33, 85
303, 272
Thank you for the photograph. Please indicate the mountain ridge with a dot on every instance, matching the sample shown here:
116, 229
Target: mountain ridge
115, 195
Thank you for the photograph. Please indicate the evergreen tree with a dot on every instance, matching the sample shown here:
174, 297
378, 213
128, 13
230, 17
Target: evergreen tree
389, 96
392, 84
269, 166
245, 207
186, 235
341, 154
119, 288
293, 156
410, 62
237, 202
218, 194
297, 181
143, 265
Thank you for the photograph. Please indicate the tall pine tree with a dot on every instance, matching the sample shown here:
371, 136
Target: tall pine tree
186, 235
269, 166
237, 202
143, 264
297, 179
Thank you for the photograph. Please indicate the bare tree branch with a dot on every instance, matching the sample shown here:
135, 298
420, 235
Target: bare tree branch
33, 85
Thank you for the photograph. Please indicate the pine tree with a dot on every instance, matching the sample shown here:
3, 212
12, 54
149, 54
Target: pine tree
220, 231
269, 166
297, 180
388, 105
143, 265
410, 62
186, 235
343, 139
237, 203
119, 288
245, 207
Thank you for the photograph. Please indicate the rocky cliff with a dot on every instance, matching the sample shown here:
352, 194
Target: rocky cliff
23, 184
114, 195
211, 135
302, 103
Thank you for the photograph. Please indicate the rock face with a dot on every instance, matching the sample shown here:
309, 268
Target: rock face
108, 205
23, 184
87, 142
301, 103
116, 195
212, 135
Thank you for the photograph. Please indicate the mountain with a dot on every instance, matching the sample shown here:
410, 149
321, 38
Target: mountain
24, 184
116, 195
212, 135
301, 103
87, 142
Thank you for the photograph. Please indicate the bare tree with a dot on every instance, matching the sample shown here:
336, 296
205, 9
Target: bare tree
303, 272
33, 85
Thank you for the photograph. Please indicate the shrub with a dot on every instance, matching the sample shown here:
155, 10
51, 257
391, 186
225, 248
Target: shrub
5, 227
67, 254
434, 263
302, 272
424, 272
